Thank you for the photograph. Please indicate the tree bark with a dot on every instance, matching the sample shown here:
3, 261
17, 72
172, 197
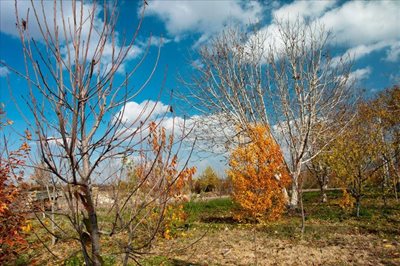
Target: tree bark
324, 197
294, 200
94, 234
358, 207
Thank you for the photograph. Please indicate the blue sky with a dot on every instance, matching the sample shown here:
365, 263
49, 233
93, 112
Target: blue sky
367, 30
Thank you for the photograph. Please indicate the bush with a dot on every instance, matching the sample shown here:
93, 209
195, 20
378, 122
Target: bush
259, 175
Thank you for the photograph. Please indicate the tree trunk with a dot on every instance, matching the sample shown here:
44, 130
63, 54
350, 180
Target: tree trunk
52, 199
286, 195
303, 216
94, 228
358, 207
294, 200
396, 179
324, 197
53, 226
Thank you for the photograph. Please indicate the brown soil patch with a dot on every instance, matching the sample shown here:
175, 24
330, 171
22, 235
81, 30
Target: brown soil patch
249, 247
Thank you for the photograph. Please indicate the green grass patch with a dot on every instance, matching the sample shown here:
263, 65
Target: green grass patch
198, 210
322, 219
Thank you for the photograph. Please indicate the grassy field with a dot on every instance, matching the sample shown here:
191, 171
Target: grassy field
212, 236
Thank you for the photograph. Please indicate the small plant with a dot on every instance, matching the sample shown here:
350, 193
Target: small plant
347, 201
166, 186
174, 222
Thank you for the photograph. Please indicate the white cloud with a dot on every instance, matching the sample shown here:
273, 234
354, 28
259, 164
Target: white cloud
197, 64
360, 74
8, 17
363, 27
302, 10
4, 71
366, 26
134, 112
364, 22
393, 55
203, 17
158, 40
362, 50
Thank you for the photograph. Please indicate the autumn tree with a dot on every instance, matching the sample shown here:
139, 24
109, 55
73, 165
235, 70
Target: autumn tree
78, 90
259, 175
354, 156
208, 181
384, 112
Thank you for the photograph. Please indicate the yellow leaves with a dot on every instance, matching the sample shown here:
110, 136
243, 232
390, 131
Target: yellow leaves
207, 181
346, 202
167, 234
26, 228
174, 220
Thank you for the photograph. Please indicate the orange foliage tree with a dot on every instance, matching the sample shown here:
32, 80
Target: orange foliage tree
259, 175
13, 224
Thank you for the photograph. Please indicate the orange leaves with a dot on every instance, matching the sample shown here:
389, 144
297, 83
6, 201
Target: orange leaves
25, 147
28, 135
12, 201
258, 175
12, 206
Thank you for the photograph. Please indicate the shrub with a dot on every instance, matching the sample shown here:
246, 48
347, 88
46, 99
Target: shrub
259, 175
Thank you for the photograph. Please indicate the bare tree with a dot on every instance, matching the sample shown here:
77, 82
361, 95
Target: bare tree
228, 87
307, 89
286, 80
78, 101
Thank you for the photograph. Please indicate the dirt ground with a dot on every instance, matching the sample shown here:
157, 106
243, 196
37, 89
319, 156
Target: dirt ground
249, 247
